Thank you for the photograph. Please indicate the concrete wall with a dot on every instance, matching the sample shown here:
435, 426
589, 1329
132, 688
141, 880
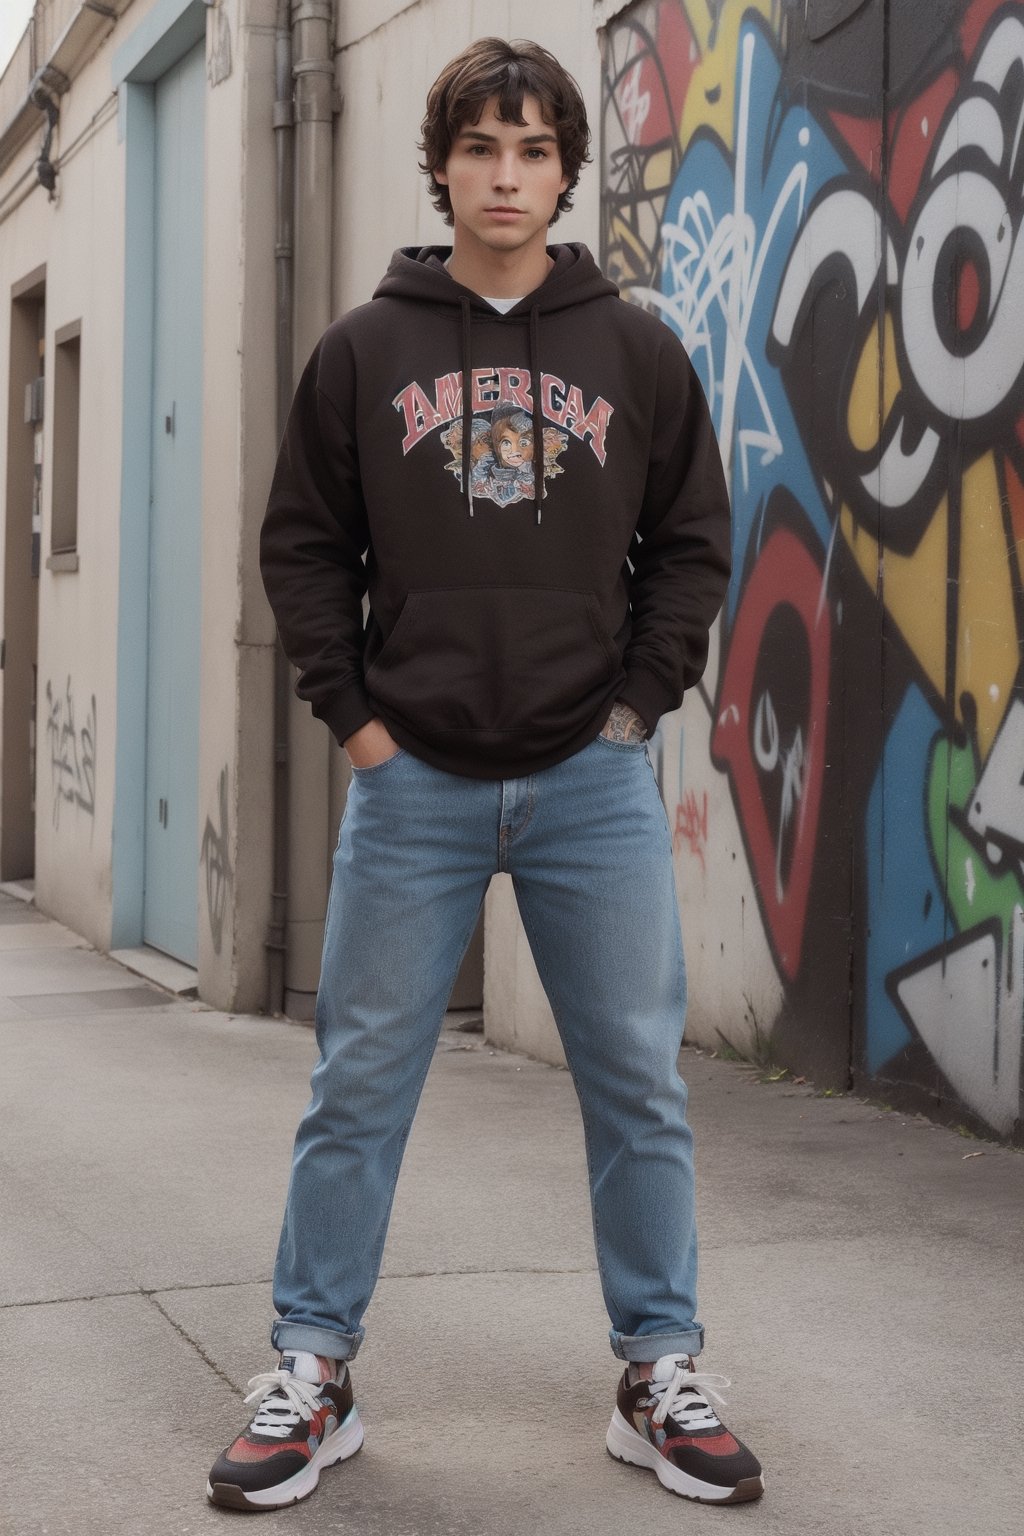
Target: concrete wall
844, 264
75, 726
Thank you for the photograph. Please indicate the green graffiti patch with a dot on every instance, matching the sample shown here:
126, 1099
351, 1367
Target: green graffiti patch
974, 892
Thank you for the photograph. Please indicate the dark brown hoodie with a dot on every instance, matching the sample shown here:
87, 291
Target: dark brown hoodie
498, 524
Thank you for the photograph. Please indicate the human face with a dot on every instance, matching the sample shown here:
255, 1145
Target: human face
514, 448
504, 181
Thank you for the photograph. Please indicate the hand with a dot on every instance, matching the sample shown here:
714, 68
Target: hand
370, 745
624, 724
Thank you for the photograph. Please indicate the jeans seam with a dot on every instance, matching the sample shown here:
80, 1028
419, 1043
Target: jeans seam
531, 795
330, 888
378, 1252
664, 810
586, 1139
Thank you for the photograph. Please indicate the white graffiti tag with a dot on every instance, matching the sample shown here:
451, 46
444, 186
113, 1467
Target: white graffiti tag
72, 752
975, 206
996, 814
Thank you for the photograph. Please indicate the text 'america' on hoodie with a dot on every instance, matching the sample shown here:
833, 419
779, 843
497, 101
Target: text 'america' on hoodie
489, 480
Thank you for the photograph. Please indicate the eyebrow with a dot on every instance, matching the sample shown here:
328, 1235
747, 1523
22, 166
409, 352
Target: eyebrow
491, 138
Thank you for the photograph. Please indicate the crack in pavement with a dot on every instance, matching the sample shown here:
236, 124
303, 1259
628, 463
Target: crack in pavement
200, 1351
149, 1292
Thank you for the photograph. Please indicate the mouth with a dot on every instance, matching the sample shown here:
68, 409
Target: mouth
507, 211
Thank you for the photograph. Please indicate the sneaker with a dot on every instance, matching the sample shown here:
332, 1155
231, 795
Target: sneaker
299, 1428
667, 1425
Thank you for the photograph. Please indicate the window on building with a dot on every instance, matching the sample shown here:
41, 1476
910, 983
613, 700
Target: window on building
67, 353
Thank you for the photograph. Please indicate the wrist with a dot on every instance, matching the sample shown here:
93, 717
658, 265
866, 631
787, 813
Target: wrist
624, 724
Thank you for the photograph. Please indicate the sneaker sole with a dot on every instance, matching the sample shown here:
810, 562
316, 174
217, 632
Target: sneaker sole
338, 1446
626, 1445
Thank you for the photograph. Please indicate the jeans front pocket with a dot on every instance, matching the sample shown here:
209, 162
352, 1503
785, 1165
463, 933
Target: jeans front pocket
372, 768
623, 746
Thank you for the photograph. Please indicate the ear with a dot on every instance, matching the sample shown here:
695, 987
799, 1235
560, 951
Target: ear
563, 185
441, 177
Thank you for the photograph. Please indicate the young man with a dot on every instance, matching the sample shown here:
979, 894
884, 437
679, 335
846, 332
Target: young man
503, 439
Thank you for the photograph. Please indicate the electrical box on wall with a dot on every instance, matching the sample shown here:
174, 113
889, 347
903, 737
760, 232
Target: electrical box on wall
34, 401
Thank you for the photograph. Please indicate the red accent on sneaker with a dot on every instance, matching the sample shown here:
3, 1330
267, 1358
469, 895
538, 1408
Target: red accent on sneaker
245, 1450
718, 1445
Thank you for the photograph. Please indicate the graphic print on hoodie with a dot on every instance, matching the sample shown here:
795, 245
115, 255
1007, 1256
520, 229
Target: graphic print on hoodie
551, 539
502, 463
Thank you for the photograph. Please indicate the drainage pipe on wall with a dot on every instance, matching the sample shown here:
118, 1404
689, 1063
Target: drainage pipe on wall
284, 118
302, 756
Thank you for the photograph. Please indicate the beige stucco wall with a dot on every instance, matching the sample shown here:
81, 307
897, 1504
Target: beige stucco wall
77, 642
81, 239
236, 710
235, 770
385, 68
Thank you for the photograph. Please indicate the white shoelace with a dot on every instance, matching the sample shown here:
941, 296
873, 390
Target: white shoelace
285, 1400
685, 1397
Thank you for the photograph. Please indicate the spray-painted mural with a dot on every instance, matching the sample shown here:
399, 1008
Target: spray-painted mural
844, 261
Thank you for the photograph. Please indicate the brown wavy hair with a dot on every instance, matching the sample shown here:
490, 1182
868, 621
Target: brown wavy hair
509, 70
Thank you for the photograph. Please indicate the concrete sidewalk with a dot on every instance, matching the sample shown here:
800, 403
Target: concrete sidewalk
862, 1284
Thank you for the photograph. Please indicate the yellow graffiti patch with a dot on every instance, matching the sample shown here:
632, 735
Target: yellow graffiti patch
987, 647
627, 256
862, 412
658, 172
913, 590
711, 96
912, 587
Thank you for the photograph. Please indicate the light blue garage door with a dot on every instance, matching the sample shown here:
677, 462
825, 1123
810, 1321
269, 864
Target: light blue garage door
172, 718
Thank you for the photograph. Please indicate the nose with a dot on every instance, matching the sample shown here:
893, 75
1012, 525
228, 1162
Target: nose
506, 174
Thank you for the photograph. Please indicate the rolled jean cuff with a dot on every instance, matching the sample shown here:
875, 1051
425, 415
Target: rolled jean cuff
317, 1341
651, 1346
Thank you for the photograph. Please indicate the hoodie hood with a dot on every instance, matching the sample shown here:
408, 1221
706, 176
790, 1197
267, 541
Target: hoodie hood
419, 273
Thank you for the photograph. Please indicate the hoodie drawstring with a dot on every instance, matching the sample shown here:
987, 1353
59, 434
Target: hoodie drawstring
538, 415
467, 403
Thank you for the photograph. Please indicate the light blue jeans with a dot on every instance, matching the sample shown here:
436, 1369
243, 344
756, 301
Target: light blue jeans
588, 846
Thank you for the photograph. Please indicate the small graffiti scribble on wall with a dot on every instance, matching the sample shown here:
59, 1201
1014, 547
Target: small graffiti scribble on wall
216, 858
72, 752
826, 204
691, 827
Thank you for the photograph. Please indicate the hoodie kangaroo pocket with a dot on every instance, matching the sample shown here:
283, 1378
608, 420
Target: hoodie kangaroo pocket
493, 663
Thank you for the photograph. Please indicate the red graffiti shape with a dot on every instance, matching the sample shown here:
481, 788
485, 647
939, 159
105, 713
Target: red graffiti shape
912, 135
652, 90
692, 824
777, 773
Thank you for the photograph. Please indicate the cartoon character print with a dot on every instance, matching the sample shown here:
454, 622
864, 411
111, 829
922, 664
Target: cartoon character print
501, 454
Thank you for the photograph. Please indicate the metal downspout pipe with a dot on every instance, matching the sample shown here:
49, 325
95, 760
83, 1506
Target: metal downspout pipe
302, 757
284, 119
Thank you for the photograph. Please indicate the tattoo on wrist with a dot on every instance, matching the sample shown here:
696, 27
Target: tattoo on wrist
624, 724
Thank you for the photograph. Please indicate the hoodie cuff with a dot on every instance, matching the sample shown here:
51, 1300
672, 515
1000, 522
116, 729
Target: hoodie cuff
648, 695
345, 711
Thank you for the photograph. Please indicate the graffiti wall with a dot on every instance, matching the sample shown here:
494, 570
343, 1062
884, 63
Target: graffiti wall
825, 202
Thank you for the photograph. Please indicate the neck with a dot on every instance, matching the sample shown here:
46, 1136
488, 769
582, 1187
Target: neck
498, 274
